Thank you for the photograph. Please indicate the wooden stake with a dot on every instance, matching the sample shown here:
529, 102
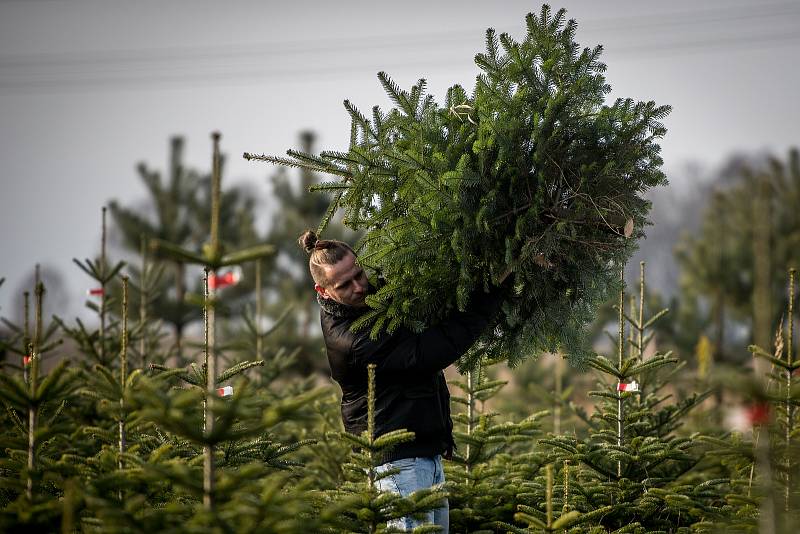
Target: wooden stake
259, 342
559, 372
33, 409
566, 486
143, 303
208, 400
123, 374
26, 335
620, 349
210, 342
631, 328
123, 368
32, 419
549, 496
371, 421
216, 178
470, 413
103, 286
640, 325
789, 404
37, 332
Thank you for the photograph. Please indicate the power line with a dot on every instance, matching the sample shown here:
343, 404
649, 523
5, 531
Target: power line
164, 54
105, 78
338, 72
723, 42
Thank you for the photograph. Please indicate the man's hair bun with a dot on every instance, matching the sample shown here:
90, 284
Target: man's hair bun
322, 252
308, 240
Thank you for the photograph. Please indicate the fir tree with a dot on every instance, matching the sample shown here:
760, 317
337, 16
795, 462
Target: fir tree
486, 452
764, 464
324, 461
633, 466
530, 175
95, 343
249, 339
191, 447
43, 338
171, 202
213, 256
181, 216
227, 439
546, 518
33, 442
735, 261
148, 333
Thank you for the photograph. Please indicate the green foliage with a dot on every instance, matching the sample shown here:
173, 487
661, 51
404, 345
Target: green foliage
20, 341
531, 176
179, 223
282, 464
286, 272
97, 344
632, 471
33, 469
766, 469
543, 518
722, 263
323, 461
486, 451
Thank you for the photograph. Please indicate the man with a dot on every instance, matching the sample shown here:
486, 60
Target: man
411, 391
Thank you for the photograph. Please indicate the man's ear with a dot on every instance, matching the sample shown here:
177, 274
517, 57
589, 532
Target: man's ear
321, 290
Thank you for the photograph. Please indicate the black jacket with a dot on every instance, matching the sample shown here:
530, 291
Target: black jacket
411, 391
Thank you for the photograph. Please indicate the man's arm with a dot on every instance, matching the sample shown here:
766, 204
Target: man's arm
435, 348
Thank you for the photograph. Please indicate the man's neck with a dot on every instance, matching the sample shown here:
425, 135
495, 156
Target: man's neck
337, 309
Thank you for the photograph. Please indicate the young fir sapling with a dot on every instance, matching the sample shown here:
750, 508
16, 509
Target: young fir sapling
636, 472
487, 450
96, 343
37, 436
43, 340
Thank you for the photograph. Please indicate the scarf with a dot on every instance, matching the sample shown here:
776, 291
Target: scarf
337, 309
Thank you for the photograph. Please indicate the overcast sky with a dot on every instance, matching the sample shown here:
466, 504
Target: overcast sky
90, 88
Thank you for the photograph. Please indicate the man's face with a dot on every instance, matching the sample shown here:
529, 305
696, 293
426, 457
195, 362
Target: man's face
347, 282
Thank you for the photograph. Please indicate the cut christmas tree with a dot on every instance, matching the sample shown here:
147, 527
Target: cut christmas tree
531, 178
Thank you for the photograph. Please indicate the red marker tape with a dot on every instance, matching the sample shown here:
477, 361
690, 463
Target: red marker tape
95, 292
227, 391
228, 278
633, 386
26, 360
758, 414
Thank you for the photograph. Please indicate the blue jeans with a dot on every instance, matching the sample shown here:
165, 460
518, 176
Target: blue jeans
415, 474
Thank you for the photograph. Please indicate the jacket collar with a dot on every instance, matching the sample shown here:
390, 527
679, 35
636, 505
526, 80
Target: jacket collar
337, 309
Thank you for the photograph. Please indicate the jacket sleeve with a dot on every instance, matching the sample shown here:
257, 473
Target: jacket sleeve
433, 349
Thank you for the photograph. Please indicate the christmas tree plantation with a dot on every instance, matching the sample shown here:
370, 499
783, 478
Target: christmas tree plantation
530, 177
